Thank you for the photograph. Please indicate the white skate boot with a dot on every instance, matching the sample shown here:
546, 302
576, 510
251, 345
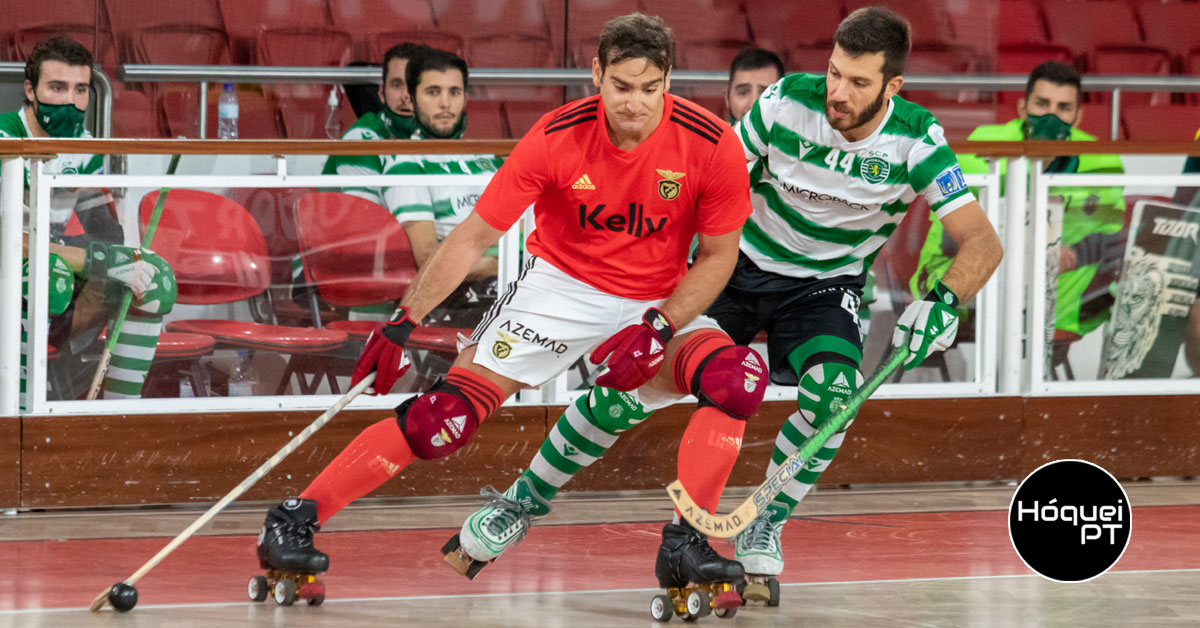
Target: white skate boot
500, 524
759, 550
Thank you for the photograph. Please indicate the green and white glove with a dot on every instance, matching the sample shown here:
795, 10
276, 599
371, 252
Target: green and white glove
121, 264
927, 325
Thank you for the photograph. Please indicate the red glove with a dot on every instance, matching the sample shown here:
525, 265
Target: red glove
384, 353
636, 352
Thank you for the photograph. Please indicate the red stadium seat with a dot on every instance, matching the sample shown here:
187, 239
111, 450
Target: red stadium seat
1019, 23
244, 20
367, 18
813, 59
130, 17
1096, 118
219, 256
584, 21
523, 114
1083, 27
187, 44
1177, 122
708, 33
356, 253
257, 116
1171, 26
133, 115
1022, 60
779, 26
930, 24
485, 119
25, 39
499, 33
303, 108
442, 40
1132, 60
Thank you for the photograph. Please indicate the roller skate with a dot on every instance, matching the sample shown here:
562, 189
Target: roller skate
698, 580
760, 552
285, 550
502, 522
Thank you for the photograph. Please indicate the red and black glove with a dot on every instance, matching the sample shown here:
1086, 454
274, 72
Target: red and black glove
384, 353
636, 352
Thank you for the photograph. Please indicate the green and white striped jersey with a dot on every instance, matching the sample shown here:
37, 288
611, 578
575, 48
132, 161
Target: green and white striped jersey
371, 126
824, 206
445, 205
63, 201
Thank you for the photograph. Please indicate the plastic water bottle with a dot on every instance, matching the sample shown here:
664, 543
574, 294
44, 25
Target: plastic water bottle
227, 114
242, 377
333, 118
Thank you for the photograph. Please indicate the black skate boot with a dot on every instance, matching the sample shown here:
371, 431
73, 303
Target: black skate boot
285, 550
698, 580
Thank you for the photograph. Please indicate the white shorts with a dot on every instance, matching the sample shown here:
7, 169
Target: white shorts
546, 320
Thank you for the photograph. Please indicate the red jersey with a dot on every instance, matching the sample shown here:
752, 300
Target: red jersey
622, 221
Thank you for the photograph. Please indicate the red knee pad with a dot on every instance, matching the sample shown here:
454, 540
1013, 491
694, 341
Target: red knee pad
732, 378
437, 423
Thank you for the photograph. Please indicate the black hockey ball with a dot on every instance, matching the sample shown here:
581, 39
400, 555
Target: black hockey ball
123, 597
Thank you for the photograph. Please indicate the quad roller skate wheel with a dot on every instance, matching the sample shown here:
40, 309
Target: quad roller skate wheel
258, 589
661, 608
699, 603
285, 592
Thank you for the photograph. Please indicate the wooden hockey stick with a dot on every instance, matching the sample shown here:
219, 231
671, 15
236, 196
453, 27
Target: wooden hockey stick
127, 298
262, 470
726, 526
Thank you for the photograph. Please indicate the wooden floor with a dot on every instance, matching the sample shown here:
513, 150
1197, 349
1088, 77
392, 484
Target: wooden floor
908, 556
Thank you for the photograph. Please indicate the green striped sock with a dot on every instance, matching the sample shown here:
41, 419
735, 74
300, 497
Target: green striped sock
581, 436
132, 356
790, 438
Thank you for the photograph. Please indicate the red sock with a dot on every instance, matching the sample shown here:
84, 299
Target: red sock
483, 395
707, 452
691, 355
372, 458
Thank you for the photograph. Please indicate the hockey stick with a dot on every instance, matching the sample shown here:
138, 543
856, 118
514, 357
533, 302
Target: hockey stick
250, 480
127, 298
726, 526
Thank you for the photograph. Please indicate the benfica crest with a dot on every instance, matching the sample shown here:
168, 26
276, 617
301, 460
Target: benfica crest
668, 185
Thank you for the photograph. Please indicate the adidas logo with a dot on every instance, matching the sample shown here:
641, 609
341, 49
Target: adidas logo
584, 183
390, 467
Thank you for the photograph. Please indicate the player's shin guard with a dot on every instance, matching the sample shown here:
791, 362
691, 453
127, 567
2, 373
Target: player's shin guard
707, 453
581, 436
372, 458
821, 388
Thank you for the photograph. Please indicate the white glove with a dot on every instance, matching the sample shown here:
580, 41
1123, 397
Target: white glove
122, 264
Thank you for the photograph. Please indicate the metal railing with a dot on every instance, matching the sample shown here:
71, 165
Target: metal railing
574, 77
14, 71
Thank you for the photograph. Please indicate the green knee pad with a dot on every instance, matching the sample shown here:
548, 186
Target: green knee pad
824, 388
612, 410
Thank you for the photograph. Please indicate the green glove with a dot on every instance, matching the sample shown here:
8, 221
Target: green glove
928, 325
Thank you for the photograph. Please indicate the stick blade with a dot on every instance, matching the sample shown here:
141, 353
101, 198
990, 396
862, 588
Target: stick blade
716, 526
100, 600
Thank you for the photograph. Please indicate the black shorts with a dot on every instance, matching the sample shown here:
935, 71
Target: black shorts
792, 311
